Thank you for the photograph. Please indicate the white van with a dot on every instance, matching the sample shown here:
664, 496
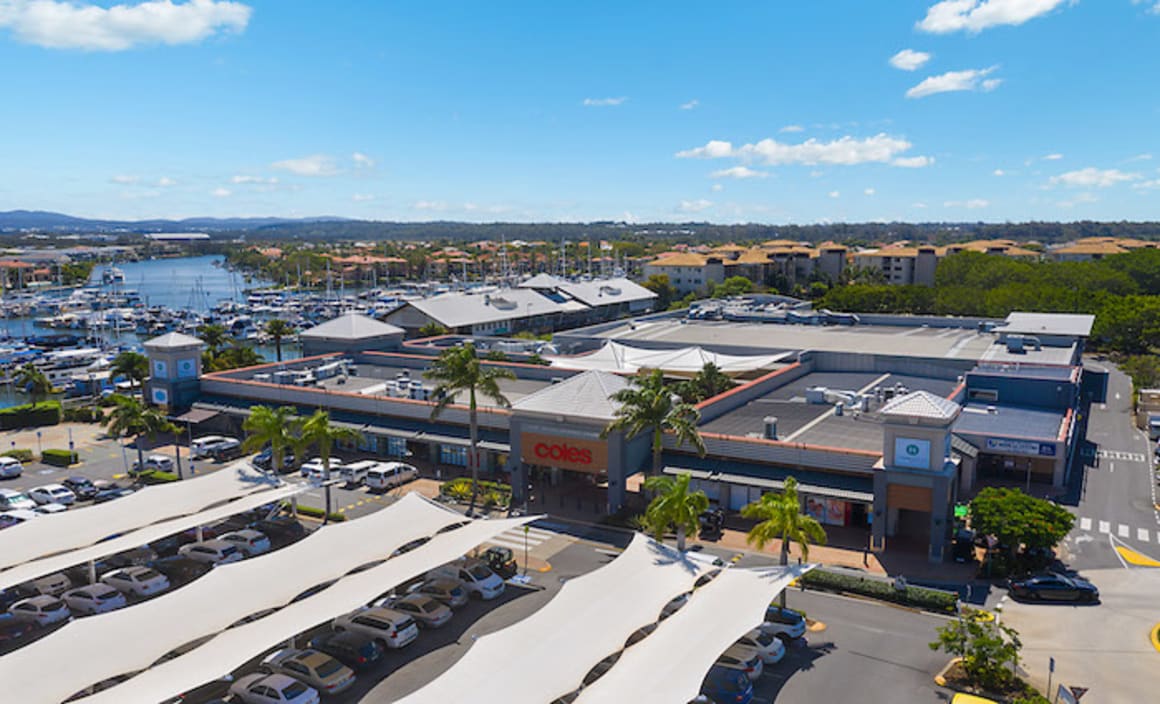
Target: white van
388, 475
477, 577
355, 473
201, 447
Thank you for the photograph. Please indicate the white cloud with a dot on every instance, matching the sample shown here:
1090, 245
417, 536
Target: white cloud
1147, 185
913, 162
972, 204
1052, 157
362, 197
435, 205
1142, 157
55, 24
999, 172
124, 180
362, 161
846, 151
220, 193
835, 194
909, 59
244, 179
717, 188
739, 172
603, 102
314, 165
976, 15
919, 206
792, 128
691, 104
973, 79
1092, 177
166, 182
694, 206
869, 191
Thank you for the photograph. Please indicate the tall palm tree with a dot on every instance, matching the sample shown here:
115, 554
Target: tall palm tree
648, 405
706, 383
130, 417
269, 426
133, 365
278, 329
781, 519
235, 357
214, 336
317, 430
674, 505
35, 382
458, 370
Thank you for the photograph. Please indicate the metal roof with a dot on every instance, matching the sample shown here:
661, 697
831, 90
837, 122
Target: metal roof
171, 340
1067, 324
921, 404
456, 310
587, 395
350, 326
776, 484
1010, 422
603, 292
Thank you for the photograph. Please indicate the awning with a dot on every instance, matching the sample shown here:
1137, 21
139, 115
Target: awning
774, 484
195, 416
588, 620
233, 648
51, 535
133, 638
963, 447
670, 663
38, 568
463, 442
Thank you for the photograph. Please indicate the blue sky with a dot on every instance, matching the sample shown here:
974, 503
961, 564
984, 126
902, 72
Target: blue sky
773, 112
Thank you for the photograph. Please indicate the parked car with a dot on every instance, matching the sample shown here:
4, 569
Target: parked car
281, 530
260, 688
317, 669
216, 692
94, 599
1054, 587
115, 492
314, 469
82, 487
11, 499
251, 542
355, 473
357, 651
53, 494
16, 517
390, 629
154, 463
449, 592
132, 557
265, 458
50, 508
201, 447
14, 632
743, 658
426, 611
214, 552
786, 624
770, 647
476, 577
54, 584
727, 684
10, 468
137, 581
388, 475
228, 449
180, 569
41, 610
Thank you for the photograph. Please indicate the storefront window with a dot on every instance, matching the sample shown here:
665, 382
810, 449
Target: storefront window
450, 454
396, 447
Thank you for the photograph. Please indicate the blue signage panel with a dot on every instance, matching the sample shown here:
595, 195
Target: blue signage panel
1021, 447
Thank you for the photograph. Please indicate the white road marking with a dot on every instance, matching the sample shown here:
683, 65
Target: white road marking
1105, 527
514, 538
1112, 544
1142, 534
1085, 524
1111, 467
1124, 531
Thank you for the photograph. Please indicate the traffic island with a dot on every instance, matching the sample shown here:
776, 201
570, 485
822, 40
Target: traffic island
1155, 636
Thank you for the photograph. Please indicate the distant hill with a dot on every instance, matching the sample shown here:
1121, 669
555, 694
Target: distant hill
57, 222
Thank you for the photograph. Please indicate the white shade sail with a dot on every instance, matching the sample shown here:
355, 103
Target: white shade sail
38, 568
669, 665
588, 620
131, 639
685, 361
231, 649
51, 535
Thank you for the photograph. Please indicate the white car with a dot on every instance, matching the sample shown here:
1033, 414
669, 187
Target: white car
786, 624
203, 446
11, 499
260, 688
53, 494
214, 552
387, 627
159, 463
768, 646
251, 542
94, 599
388, 475
16, 517
476, 577
51, 508
43, 610
10, 468
314, 470
743, 658
139, 581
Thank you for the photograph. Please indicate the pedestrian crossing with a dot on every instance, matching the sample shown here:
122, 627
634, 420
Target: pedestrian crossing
1121, 530
514, 538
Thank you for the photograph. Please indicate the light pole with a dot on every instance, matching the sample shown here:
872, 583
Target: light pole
525, 551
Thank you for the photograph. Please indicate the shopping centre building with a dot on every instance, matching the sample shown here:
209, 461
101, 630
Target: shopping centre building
886, 423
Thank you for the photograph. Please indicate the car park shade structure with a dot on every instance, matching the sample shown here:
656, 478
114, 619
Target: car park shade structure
686, 361
131, 639
669, 665
82, 527
134, 539
236, 646
547, 655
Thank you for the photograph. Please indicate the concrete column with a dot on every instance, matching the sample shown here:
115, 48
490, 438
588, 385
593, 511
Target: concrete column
615, 493
519, 473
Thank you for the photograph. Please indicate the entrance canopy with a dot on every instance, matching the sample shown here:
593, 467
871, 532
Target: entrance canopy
233, 648
131, 639
547, 655
686, 361
80, 528
669, 664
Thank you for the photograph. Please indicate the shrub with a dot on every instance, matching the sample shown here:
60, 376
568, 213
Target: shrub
30, 415
83, 414
59, 458
930, 599
319, 513
460, 490
155, 476
20, 453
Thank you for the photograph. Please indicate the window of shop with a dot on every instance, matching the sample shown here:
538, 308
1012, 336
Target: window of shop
396, 447
452, 455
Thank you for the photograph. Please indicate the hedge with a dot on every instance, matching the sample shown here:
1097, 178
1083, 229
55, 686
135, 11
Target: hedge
463, 484
319, 513
59, 458
30, 415
156, 476
923, 598
20, 453
83, 414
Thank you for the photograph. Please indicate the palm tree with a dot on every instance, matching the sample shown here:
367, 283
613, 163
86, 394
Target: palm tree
317, 430
459, 370
269, 426
674, 505
133, 365
215, 337
648, 405
710, 381
278, 329
235, 357
34, 381
130, 417
781, 519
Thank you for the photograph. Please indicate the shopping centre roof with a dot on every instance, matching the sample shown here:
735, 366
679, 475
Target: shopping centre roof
687, 361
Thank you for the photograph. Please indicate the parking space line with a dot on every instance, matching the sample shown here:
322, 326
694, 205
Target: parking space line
1124, 531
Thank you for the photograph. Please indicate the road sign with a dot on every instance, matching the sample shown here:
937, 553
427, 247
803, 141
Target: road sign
1078, 692
1051, 664
1065, 695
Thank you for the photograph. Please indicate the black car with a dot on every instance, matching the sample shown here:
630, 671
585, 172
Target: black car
180, 569
82, 487
132, 558
265, 458
356, 651
281, 530
116, 492
14, 633
1054, 587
